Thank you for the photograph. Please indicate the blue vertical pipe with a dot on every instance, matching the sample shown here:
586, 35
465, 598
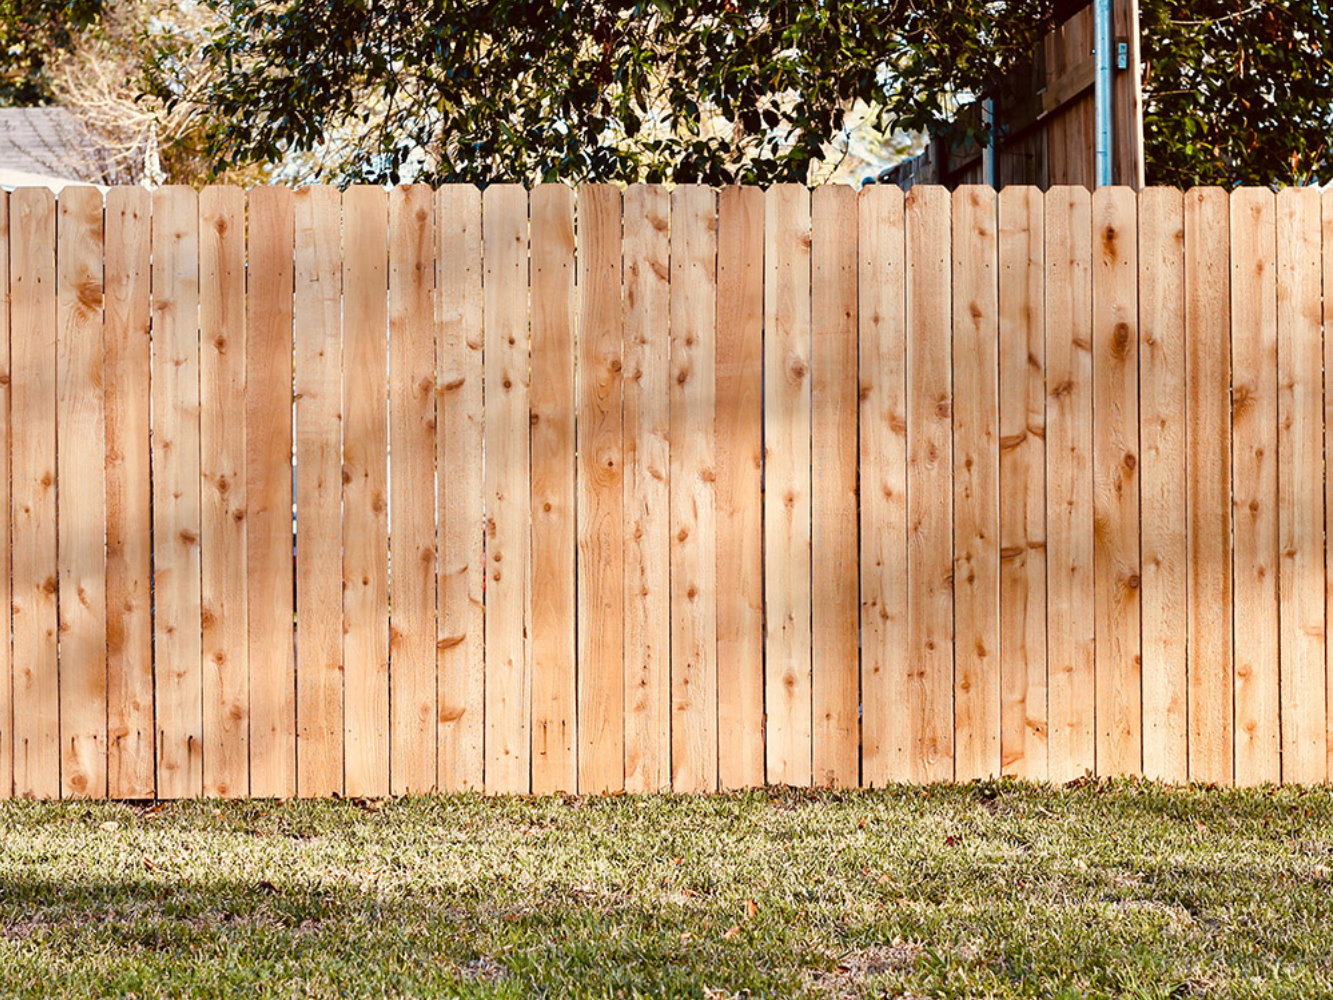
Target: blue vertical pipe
1102, 46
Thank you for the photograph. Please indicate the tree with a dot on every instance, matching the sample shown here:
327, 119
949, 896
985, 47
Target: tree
32, 33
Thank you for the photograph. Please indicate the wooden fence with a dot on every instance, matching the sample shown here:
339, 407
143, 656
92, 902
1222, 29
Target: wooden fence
643, 489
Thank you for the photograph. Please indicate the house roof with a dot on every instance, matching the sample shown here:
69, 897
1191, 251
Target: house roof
46, 145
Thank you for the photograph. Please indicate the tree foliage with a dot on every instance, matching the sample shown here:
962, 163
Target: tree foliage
32, 33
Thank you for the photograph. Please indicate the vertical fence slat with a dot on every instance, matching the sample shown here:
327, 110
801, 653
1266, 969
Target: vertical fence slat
1326, 212
1162, 439
647, 458
1301, 486
81, 502
1070, 600
976, 450
460, 438
268, 478
787, 482
508, 550
835, 655
412, 632
6, 606
739, 423
1208, 486
1022, 541
226, 696
929, 695
317, 329
883, 422
365, 529
176, 492
1254, 488
601, 736
694, 735
554, 691
1116, 481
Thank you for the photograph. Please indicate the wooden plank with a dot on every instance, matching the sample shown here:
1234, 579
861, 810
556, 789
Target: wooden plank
1070, 601
1116, 482
834, 629
929, 694
6, 603
554, 694
268, 481
82, 503
647, 463
1326, 207
223, 564
1254, 484
508, 504
176, 493
317, 333
694, 735
1162, 444
1300, 478
600, 494
976, 483
365, 525
1208, 484
883, 420
461, 656
412, 636
1023, 718
787, 579
739, 424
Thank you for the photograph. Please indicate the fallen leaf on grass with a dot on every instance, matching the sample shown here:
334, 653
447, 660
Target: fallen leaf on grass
150, 864
751, 909
731, 932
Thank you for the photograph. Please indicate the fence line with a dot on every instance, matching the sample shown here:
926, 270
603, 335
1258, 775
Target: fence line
376, 492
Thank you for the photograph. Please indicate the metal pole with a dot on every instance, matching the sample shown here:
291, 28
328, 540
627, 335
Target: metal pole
1102, 46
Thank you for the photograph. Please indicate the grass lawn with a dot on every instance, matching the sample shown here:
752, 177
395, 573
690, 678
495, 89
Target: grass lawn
999, 890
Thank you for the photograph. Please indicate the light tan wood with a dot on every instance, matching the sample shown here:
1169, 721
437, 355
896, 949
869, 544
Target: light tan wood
787, 567
81, 504
461, 657
1070, 601
508, 504
554, 689
739, 423
976, 483
365, 524
412, 630
929, 690
317, 332
268, 477
6, 603
1327, 227
1300, 478
835, 633
1116, 482
1208, 485
600, 493
647, 463
1163, 517
694, 735
176, 492
1254, 484
223, 564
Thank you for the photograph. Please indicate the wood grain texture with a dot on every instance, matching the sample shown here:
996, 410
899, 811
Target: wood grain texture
787, 567
461, 654
647, 462
1326, 212
412, 647
1208, 484
739, 423
6, 603
694, 735
269, 537
81, 504
1162, 440
1254, 484
365, 524
976, 483
554, 688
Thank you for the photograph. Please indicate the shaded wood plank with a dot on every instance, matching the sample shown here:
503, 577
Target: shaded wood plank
6, 604
739, 423
647, 463
461, 657
554, 694
976, 483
